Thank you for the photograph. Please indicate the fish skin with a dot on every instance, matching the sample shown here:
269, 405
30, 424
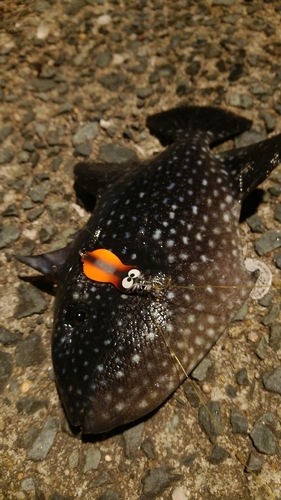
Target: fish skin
175, 217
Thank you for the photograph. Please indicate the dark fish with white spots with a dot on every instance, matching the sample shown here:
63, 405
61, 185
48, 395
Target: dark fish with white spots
157, 274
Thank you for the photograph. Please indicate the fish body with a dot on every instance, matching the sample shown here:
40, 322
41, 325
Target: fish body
119, 352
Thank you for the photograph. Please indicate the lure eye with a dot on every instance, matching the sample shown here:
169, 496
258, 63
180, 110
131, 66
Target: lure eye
79, 315
128, 282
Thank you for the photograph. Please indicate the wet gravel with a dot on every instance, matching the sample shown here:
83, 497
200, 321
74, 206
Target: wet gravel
78, 79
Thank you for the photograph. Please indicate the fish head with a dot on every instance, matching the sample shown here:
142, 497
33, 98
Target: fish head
110, 355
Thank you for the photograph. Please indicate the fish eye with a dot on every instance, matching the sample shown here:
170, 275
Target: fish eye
79, 315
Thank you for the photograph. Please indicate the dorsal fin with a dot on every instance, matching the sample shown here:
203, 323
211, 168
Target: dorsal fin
94, 177
168, 125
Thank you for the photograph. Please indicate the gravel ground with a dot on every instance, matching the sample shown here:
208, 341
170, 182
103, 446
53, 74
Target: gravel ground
77, 75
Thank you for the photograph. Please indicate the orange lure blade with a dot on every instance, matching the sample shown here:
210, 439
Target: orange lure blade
105, 267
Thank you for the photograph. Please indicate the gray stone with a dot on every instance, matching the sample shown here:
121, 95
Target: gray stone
254, 463
267, 299
260, 348
210, 420
5, 132
132, 439
201, 370
255, 223
190, 394
73, 460
238, 421
103, 59
272, 380
242, 377
86, 133
116, 153
82, 150
241, 314
31, 301
218, 455
44, 441
28, 484
144, 92
59, 212
6, 368
263, 438
268, 242
113, 81
7, 337
147, 447
109, 494
104, 477
30, 405
277, 260
272, 314
157, 480
6, 155
11, 211
30, 352
277, 212
8, 235
38, 194
227, 3
47, 233
275, 336
35, 214
93, 457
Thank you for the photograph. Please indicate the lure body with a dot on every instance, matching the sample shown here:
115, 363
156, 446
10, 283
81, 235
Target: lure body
174, 220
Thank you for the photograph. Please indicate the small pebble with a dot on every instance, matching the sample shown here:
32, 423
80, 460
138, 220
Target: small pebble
116, 153
110, 494
82, 150
277, 260
254, 463
6, 368
238, 421
255, 223
31, 301
272, 380
201, 370
268, 242
104, 477
157, 480
263, 438
86, 133
218, 455
28, 484
275, 336
272, 314
242, 377
132, 439
147, 447
93, 457
44, 441
277, 212
210, 422
7, 337
30, 352
8, 236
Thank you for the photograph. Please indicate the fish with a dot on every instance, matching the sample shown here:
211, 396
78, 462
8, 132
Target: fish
152, 281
